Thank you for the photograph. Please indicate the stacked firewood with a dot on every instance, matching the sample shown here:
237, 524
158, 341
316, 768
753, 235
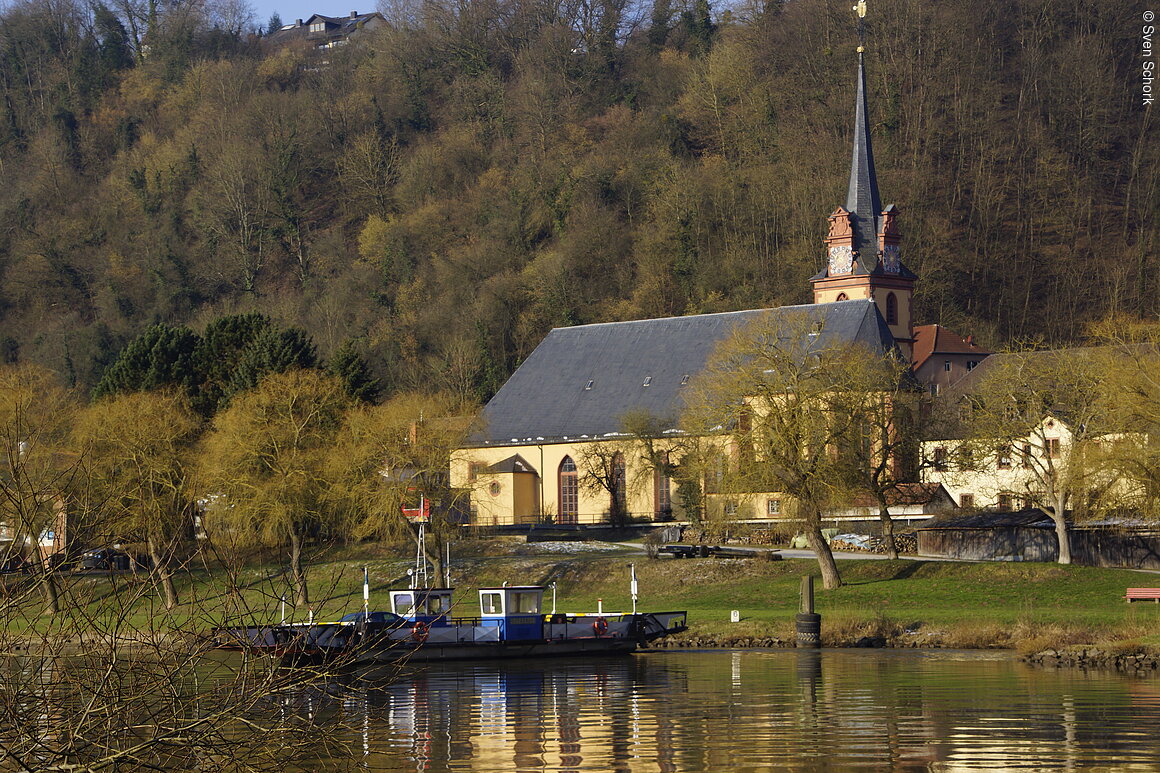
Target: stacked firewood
905, 543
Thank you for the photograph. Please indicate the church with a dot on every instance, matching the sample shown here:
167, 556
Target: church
553, 445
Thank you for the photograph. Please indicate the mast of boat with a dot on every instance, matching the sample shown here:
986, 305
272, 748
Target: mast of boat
421, 549
366, 594
632, 586
447, 567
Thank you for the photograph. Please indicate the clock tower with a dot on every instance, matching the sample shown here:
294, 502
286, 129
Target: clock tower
864, 259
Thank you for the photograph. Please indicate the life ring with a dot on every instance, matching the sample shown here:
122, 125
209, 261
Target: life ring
419, 632
600, 626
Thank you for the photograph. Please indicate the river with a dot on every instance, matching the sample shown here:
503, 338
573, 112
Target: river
753, 710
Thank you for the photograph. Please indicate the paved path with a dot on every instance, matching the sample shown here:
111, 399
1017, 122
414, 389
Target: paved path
796, 553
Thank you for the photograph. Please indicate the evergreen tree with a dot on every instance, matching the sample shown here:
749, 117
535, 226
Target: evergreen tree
113, 40
699, 26
272, 351
274, 24
349, 366
220, 353
162, 356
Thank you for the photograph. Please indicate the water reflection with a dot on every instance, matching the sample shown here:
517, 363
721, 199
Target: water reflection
745, 711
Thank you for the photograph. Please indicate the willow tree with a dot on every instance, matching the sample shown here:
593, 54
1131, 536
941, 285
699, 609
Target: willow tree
37, 465
138, 452
397, 455
1130, 363
785, 403
264, 464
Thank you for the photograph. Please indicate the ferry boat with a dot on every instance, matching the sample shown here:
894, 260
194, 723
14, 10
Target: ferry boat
511, 624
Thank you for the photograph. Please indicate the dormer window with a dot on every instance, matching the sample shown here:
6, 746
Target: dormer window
318, 26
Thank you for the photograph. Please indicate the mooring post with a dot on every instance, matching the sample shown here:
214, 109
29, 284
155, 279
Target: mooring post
807, 595
807, 624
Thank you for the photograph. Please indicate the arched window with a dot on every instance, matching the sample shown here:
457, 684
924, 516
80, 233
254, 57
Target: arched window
891, 309
617, 483
662, 493
842, 297
569, 491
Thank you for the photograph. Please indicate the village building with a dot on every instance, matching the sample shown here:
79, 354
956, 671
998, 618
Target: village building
323, 32
555, 443
942, 357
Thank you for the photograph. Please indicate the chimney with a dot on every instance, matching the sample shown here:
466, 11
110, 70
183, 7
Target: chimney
354, 14
297, 22
970, 340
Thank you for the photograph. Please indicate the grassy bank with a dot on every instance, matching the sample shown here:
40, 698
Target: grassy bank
904, 603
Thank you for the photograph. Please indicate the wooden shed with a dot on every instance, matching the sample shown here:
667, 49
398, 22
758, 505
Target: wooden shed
1027, 535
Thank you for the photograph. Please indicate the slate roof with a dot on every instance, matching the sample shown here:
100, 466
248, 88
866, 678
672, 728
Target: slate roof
549, 398
337, 27
862, 199
512, 464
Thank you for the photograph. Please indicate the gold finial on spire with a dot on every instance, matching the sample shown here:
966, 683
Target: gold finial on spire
860, 9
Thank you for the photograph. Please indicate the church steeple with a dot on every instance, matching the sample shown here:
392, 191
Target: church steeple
862, 201
863, 244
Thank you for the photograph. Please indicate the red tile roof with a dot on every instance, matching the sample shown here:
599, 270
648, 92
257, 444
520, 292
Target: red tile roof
936, 339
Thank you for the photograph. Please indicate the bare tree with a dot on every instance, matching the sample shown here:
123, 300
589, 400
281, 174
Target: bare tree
885, 460
785, 405
38, 469
1033, 422
116, 683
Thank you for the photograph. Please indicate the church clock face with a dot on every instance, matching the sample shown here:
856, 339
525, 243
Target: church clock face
841, 260
891, 258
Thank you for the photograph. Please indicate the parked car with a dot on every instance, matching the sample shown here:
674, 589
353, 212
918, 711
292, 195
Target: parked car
104, 558
64, 560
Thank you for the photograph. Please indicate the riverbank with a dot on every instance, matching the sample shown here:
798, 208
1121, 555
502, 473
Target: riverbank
1027, 607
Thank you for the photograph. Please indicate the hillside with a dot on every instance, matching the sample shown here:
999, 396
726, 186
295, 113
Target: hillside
450, 188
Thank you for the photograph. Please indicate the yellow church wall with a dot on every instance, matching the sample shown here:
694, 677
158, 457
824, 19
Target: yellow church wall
525, 495
518, 501
853, 291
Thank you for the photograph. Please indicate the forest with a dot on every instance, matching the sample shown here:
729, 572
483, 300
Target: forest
440, 193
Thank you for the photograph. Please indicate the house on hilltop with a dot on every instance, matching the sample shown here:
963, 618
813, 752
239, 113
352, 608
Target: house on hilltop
324, 32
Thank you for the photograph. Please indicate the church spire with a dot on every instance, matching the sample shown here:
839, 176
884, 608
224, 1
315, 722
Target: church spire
863, 243
862, 200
